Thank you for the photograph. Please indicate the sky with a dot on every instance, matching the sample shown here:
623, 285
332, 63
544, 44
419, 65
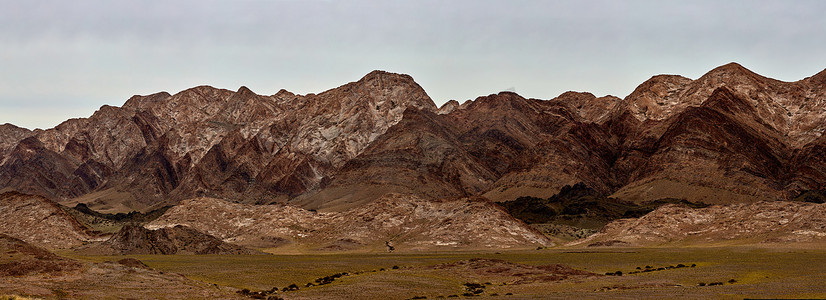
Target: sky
64, 59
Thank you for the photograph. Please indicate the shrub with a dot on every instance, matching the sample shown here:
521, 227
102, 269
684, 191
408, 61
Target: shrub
292, 287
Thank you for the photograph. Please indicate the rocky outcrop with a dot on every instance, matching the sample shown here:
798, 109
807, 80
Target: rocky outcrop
34, 271
407, 222
170, 240
22, 259
10, 135
759, 222
40, 222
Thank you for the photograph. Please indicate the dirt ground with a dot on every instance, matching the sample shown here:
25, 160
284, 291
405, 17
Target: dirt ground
672, 272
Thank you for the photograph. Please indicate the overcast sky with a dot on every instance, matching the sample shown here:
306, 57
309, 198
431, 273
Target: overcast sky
64, 59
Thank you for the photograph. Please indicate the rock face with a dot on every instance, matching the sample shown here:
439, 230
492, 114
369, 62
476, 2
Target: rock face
169, 240
729, 136
40, 222
407, 223
759, 222
163, 148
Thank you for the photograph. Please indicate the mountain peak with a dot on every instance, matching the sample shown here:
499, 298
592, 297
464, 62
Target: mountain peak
244, 92
381, 74
731, 70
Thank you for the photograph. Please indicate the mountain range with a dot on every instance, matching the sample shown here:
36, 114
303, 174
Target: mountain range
728, 136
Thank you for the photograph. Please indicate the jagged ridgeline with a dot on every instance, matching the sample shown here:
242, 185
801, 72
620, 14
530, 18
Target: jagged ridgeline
729, 136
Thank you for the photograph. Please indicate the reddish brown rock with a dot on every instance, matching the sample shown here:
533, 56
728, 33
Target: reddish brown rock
40, 222
408, 222
170, 240
759, 222
728, 136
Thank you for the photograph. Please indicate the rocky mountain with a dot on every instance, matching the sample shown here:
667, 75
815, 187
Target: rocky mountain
758, 222
403, 222
729, 136
162, 148
170, 240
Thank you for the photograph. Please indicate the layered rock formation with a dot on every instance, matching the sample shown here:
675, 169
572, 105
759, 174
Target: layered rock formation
759, 222
169, 240
161, 148
33, 271
729, 136
40, 222
407, 223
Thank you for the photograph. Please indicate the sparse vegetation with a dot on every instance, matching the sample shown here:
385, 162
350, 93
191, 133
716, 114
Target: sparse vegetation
290, 288
416, 279
474, 288
15, 297
111, 222
813, 196
580, 207
652, 269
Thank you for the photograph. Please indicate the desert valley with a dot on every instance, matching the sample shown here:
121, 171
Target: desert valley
692, 188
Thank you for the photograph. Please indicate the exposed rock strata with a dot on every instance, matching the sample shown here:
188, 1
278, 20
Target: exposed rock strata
40, 222
408, 222
728, 136
169, 240
759, 222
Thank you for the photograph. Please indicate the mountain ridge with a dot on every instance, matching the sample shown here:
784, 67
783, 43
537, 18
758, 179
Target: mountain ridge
310, 149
